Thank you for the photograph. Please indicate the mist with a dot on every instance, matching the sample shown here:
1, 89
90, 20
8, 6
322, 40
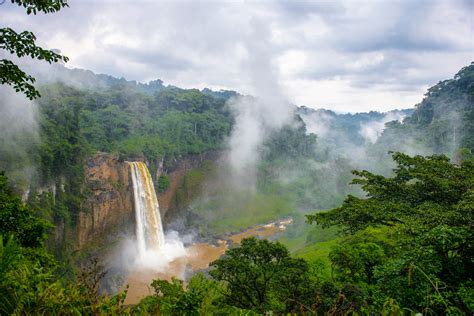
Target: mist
159, 260
19, 136
256, 117
372, 130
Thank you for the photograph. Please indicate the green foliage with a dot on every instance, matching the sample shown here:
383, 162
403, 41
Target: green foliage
134, 124
442, 121
163, 183
62, 154
173, 298
45, 6
461, 155
290, 142
420, 184
178, 301
12, 75
23, 44
258, 277
17, 221
429, 204
261, 276
355, 259
30, 278
29, 287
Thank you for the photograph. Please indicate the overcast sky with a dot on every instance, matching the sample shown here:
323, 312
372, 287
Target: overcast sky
348, 56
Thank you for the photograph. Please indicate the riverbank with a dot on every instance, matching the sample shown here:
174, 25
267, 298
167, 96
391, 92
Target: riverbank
198, 257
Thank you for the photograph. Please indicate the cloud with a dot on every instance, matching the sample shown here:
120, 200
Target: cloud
256, 118
18, 136
318, 123
372, 130
392, 50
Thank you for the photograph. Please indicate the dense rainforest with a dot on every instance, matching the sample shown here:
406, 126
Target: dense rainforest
74, 123
398, 241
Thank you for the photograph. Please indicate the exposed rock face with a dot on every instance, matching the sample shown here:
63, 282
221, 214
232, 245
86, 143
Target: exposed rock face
108, 211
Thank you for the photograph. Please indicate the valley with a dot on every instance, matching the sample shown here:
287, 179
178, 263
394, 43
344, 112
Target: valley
195, 158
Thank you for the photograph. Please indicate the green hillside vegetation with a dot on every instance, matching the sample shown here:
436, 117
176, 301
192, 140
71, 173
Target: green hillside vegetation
446, 106
289, 182
419, 263
442, 122
74, 124
405, 248
31, 280
399, 240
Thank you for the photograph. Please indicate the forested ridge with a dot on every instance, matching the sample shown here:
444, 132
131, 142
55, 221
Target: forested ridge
76, 123
443, 120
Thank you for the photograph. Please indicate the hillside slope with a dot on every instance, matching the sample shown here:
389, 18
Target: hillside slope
443, 120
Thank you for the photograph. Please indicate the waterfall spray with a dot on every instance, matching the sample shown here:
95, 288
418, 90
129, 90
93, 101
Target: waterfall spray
149, 229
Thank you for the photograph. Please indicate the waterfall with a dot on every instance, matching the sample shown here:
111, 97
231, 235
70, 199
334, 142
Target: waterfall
149, 229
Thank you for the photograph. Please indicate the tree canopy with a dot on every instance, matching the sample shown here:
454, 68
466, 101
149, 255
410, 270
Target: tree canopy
261, 276
428, 205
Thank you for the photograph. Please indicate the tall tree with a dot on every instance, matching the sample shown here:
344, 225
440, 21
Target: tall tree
261, 276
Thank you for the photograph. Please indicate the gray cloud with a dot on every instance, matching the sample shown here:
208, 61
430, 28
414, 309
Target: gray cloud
382, 53
327, 9
155, 59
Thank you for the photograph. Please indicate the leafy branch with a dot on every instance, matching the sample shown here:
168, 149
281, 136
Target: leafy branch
23, 44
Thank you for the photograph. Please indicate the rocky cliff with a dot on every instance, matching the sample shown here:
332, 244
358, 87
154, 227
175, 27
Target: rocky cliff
108, 210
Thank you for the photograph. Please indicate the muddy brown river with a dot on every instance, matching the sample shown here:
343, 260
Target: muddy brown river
198, 257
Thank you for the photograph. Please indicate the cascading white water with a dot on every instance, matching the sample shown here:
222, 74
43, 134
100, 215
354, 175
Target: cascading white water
149, 229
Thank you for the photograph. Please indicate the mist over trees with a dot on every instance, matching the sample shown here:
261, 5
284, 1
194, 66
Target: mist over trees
407, 246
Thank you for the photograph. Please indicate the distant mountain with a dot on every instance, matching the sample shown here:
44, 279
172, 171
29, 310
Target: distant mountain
359, 128
88, 80
441, 123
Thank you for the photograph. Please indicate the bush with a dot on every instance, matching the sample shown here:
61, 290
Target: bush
163, 183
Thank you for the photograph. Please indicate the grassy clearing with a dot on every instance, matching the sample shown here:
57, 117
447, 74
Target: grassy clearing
236, 211
310, 242
318, 254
